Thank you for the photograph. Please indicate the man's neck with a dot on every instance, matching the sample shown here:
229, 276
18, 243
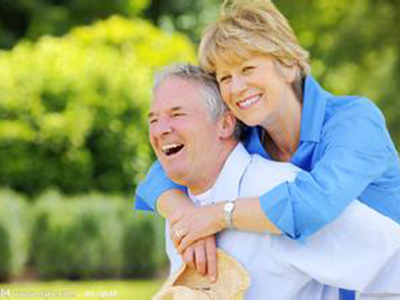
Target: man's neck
211, 172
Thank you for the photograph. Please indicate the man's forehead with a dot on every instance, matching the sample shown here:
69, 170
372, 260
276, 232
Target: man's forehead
176, 94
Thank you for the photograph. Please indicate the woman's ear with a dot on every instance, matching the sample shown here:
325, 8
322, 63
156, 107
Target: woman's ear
287, 72
227, 125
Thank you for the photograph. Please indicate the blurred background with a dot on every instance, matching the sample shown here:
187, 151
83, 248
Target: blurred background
75, 81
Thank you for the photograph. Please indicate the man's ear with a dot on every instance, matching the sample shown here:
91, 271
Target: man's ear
227, 125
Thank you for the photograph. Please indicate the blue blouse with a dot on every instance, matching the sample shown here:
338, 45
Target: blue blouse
345, 152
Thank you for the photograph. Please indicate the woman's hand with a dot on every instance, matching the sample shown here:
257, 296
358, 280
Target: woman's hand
202, 256
190, 225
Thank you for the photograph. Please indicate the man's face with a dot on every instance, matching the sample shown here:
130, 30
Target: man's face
182, 133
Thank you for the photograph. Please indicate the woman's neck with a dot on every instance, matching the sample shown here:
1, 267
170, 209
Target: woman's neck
282, 136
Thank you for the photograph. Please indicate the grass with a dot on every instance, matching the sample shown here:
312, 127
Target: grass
81, 290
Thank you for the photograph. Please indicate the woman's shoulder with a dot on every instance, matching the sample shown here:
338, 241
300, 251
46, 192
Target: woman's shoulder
356, 120
341, 110
353, 105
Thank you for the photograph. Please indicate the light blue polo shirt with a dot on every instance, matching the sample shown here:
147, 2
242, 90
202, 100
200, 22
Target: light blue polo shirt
345, 153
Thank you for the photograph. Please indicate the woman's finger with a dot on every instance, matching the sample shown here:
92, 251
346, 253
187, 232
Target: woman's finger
188, 257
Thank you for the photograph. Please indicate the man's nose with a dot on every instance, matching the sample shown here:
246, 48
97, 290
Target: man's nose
238, 85
162, 127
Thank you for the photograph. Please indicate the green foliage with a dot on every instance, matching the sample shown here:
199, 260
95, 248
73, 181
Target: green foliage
188, 16
139, 247
355, 48
14, 234
80, 238
73, 109
32, 19
91, 237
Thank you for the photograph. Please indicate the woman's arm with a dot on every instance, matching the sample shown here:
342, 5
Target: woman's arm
172, 202
207, 220
155, 184
354, 150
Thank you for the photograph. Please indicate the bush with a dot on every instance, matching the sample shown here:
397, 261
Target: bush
140, 247
73, 109
78, 238
14, 234
91, 237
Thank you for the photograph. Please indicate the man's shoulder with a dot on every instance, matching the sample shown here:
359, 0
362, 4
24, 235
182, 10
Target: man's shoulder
267, 166
262, 175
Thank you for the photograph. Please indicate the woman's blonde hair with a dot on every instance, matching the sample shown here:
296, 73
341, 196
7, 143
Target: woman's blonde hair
249, 27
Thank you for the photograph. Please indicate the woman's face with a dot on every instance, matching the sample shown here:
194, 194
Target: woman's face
258, 90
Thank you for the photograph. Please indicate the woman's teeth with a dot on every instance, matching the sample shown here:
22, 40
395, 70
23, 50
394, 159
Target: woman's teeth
249, 101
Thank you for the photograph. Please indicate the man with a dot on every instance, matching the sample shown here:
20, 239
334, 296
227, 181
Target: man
193, 136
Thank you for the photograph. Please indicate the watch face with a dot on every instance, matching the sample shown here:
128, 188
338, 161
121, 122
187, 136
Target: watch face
229, 206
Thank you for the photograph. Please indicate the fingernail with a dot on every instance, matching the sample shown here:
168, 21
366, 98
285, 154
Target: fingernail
213, 279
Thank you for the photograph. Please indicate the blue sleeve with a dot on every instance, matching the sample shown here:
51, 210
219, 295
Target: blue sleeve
155, 183
356, 150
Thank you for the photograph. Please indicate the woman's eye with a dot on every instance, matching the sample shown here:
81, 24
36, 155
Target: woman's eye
152, 121
178, 114
247, 69
224, 78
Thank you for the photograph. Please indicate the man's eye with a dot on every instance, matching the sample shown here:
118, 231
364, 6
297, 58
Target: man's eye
178, 114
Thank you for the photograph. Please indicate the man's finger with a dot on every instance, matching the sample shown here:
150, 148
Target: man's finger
211, 255
200, 259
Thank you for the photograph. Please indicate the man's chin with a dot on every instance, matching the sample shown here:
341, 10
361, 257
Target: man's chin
177, 176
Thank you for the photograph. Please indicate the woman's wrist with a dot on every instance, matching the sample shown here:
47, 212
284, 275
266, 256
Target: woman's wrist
219, 215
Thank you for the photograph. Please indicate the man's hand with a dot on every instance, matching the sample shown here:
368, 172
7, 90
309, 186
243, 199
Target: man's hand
196, 223
202, 256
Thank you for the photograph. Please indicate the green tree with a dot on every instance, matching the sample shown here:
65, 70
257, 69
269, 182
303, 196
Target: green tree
32, 19
73, 109
355, 48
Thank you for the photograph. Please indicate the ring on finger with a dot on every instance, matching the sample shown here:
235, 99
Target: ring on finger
179, 233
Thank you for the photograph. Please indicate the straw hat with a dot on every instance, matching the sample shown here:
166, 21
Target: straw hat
187, 284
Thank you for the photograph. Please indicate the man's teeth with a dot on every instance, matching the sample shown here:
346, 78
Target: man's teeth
172, 148
248, 102
168, 147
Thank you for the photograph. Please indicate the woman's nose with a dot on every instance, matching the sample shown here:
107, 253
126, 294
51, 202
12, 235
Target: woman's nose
238, 84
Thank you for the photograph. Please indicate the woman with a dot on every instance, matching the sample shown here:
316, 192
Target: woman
341, 143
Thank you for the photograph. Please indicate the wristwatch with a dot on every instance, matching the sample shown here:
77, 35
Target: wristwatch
228, 210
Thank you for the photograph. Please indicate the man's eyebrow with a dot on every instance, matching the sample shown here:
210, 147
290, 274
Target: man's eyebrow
175, 108
172, 109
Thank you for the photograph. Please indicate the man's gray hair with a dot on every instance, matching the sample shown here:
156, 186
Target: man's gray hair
210, 92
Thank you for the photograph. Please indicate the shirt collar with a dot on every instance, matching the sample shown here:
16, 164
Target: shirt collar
227, 185
314, 105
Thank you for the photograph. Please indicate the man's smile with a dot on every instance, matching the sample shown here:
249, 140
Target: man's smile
173, 148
